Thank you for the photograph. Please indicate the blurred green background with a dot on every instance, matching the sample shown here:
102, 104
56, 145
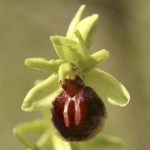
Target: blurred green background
123, 30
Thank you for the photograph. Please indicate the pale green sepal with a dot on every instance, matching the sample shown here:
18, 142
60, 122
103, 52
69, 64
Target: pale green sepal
43, 64
42, 95
26, 141
67, 49
75, 22
34, 127
100, 56
87, 28
107, 87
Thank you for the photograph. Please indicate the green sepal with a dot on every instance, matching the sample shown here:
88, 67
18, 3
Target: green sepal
42, 95
26, 141
107, 87
67, 49
43, 64
87, 28
74, 22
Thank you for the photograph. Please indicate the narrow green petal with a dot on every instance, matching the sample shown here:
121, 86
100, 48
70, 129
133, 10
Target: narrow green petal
34, 127
85, 66
75, 22
67, 49
94, 59
107, 87
43, 64
42, 95
81, 42
100, 56
26, 141
87, 28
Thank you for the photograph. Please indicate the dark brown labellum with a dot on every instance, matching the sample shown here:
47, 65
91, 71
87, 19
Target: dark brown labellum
78, 113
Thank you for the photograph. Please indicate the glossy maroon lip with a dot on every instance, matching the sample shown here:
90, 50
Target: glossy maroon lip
77, 112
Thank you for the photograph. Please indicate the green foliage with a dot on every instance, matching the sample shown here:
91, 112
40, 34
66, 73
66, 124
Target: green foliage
73, 49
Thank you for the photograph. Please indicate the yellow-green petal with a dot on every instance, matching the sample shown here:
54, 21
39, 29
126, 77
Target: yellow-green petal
107, 87
42, 95
95, 59
43, 64
84, 64
81, 41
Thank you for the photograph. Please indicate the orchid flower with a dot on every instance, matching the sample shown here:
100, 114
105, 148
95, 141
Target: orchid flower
74, 62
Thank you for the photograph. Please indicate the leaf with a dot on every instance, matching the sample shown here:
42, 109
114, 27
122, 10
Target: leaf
107, 87
110, 141
67, 49
58, 144
84, 145
35, 127
106, 141
42, 95
40, 127
87, 28
43, 64
75, 22
45, 141
26, 141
